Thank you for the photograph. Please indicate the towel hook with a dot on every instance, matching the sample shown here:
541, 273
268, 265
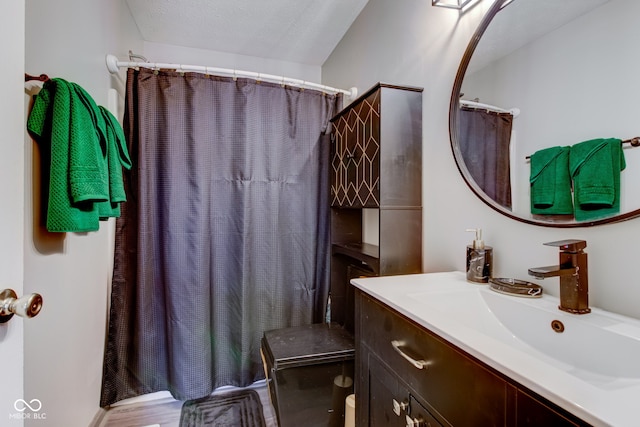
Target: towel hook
41, 77
635, 141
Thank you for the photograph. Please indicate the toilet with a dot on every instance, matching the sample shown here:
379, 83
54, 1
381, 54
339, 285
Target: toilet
310, 368
309, 371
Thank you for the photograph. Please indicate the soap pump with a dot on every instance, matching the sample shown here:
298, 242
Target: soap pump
479, 259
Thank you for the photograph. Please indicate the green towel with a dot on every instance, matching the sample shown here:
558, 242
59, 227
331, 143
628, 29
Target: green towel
72, 134
117, 158
595, 167
88, 171
550, 182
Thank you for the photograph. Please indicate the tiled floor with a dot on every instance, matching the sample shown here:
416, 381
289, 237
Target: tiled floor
166, 412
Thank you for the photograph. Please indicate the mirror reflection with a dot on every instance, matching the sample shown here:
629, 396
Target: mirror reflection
545, 117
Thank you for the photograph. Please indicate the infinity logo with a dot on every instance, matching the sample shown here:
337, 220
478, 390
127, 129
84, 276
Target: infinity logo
37, 405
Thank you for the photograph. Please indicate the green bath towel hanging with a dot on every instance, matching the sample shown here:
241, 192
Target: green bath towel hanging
595, 167
73, 137
551, 182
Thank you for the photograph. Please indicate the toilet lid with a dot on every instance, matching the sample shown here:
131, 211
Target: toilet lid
307, 345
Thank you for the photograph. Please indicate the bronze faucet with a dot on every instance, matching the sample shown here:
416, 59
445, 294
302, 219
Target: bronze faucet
574, 275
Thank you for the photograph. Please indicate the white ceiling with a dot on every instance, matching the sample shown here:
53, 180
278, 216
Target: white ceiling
300, 31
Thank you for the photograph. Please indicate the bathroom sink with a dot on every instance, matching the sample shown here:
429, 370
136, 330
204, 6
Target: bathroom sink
588, 364
596, 347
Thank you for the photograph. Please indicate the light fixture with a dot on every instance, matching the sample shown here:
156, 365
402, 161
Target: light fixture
451, 4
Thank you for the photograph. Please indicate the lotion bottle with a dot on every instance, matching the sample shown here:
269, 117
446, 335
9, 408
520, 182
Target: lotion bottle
479, 259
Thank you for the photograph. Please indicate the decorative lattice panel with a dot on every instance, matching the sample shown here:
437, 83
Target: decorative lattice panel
356, 155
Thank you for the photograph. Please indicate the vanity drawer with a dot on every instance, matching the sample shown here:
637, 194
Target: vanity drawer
451, 380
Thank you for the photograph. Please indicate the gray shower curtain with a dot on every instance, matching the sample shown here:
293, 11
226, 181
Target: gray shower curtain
485, 138
225, 232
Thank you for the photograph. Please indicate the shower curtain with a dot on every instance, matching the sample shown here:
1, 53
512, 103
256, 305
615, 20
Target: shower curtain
225, 232
485, 137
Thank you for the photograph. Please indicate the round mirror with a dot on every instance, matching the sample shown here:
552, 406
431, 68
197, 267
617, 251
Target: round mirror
544, 118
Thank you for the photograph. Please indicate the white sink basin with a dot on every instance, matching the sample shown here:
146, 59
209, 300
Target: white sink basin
597, 346
591, 369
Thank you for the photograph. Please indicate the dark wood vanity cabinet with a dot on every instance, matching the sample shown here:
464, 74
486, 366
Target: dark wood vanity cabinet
453, 389
376, 163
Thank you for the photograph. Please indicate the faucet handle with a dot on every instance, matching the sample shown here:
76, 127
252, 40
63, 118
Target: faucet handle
568, 245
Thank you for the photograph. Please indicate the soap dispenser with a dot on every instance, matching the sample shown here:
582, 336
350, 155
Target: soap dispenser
479, 259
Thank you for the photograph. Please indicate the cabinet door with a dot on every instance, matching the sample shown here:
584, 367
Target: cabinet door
532, 412
388, 399
391, 402
355, 157
419, 416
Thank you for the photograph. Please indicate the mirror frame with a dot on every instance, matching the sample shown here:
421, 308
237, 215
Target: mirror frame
457, 154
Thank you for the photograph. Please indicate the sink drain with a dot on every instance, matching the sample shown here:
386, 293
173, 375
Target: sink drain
557, 326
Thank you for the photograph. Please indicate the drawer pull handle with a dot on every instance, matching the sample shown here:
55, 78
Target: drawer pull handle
420, 364
415, 422
398, 407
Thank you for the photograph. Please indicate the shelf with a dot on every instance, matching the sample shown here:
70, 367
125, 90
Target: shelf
376, 152
365, 252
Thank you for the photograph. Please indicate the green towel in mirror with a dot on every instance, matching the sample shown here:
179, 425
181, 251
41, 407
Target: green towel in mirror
551, 182
595, 167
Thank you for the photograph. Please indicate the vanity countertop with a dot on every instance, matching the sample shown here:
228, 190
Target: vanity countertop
442, 303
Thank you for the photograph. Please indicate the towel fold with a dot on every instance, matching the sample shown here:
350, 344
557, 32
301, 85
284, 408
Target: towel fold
595, 167
117, 158
87, 135
551, 182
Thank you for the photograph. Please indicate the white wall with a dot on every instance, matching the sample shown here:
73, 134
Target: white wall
410, 42
64, 343
11, 208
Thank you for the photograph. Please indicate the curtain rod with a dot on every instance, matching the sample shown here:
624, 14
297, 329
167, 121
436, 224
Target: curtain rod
113, 65
514, 111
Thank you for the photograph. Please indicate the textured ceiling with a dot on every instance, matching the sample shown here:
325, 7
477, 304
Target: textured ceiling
300, 31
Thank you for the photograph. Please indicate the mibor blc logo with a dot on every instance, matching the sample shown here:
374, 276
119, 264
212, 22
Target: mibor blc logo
28, 410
